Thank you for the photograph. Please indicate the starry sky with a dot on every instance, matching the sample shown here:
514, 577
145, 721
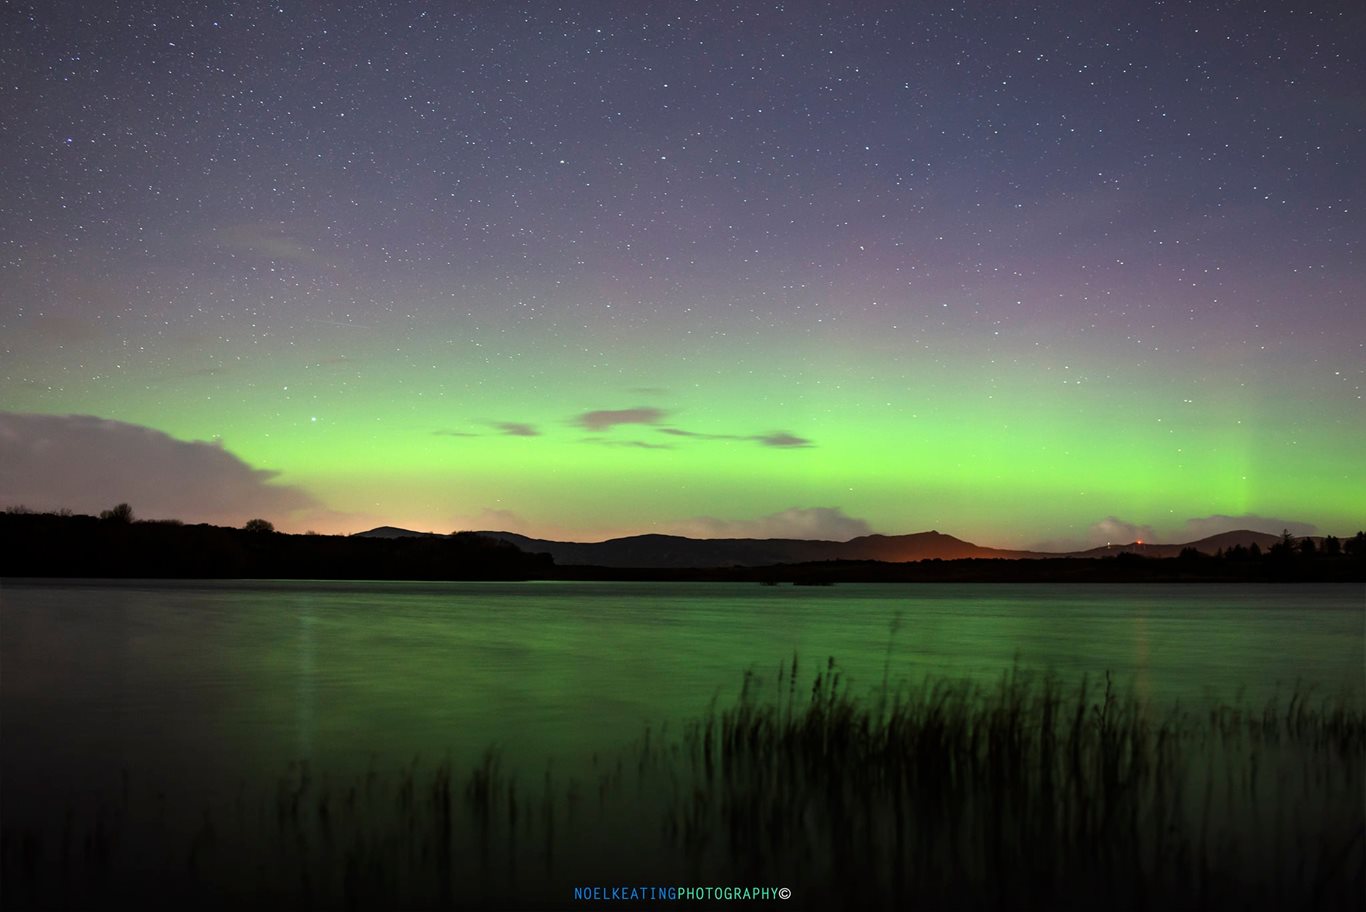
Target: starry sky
1033, 276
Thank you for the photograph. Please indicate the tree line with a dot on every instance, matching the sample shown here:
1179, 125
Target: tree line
116, 545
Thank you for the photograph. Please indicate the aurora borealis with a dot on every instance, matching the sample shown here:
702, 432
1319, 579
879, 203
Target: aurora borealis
1026, 276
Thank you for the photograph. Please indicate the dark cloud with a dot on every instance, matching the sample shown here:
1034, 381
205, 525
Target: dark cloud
679, 432
824, 523
506, 428
516, 429
775, 439
637, 444
607, 419
1205, 526
89, 464
782, 439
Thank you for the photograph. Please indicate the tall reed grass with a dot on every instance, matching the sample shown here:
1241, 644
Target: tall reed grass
941, 794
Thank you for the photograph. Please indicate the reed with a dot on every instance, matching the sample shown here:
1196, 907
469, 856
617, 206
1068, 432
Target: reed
1023, 794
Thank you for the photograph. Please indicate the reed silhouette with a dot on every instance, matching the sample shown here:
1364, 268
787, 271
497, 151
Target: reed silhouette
941, 794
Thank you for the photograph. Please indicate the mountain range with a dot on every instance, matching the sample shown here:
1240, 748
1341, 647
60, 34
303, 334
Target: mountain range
674, 551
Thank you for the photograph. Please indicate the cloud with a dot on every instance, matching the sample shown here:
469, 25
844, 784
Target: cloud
1109, 531
1114, 530
495, 520
272, 241
637, 444
1205, 526
516, 429
775, 439
782, 439
826, 523
697, 435
607, 419
505, 428
89, 464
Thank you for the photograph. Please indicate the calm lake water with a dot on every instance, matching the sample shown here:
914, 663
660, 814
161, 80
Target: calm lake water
200, 685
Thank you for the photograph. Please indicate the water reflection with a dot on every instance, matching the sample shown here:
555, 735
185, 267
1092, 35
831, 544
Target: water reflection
306, 685
1143, 686
242, 678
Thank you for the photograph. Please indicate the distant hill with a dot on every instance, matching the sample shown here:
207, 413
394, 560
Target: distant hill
52, 545
395, 532
1211, 545
675, 551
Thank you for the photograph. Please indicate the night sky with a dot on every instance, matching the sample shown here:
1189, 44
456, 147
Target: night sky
1074, 274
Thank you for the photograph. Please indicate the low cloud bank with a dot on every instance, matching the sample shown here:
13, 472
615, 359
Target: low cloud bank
1113, 530
88, 464
825, 523
1116, 531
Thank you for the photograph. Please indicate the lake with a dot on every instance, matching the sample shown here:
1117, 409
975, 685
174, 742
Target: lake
240, 676
194, 689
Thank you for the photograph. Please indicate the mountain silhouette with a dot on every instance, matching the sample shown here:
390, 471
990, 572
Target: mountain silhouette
676, 551
1211, 545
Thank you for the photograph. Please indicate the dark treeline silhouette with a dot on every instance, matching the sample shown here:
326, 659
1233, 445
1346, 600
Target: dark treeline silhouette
1123, 568
117, 546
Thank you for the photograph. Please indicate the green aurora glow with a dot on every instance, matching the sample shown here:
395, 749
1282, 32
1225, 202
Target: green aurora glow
1108, 285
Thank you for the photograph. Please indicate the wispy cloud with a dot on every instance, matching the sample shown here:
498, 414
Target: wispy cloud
271, 240
504, 428
1113, 530
516, 429
773, 439
826, 523
1109, 531
607, 419
782, 439
495, 520
634, 444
